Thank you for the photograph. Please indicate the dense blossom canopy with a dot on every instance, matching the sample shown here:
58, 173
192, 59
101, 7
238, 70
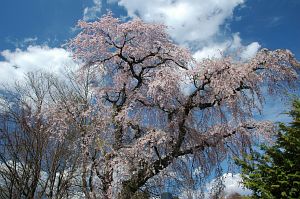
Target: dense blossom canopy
151, 103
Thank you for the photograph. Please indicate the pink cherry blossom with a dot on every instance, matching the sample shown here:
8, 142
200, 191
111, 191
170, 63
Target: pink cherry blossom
143, 107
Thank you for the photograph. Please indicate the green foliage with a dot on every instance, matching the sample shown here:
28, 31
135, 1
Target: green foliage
236, 196
276, 172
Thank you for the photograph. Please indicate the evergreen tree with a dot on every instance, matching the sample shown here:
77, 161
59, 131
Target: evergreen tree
275, 173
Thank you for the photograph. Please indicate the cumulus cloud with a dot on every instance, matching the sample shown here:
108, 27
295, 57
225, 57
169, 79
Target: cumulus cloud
233, 184
199, 24
211, 51
215, 50
90, 13
250, 50
189, 21
19, 62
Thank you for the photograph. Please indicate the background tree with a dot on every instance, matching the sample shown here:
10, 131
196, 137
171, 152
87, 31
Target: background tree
35, 162
274, 172
76, 113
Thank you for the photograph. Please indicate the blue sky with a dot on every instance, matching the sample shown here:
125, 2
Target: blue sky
274, 24
44, 19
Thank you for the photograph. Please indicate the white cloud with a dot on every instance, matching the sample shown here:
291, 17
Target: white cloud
189, 21
250, 50
215, 50
23, 42
211, 51
232, 182
90, 13
200, 24
19, 62
30, 40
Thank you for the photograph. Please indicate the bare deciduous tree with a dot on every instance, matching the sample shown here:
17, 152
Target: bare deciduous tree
33, 164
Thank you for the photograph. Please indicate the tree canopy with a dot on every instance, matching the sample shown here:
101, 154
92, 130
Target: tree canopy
274, 172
